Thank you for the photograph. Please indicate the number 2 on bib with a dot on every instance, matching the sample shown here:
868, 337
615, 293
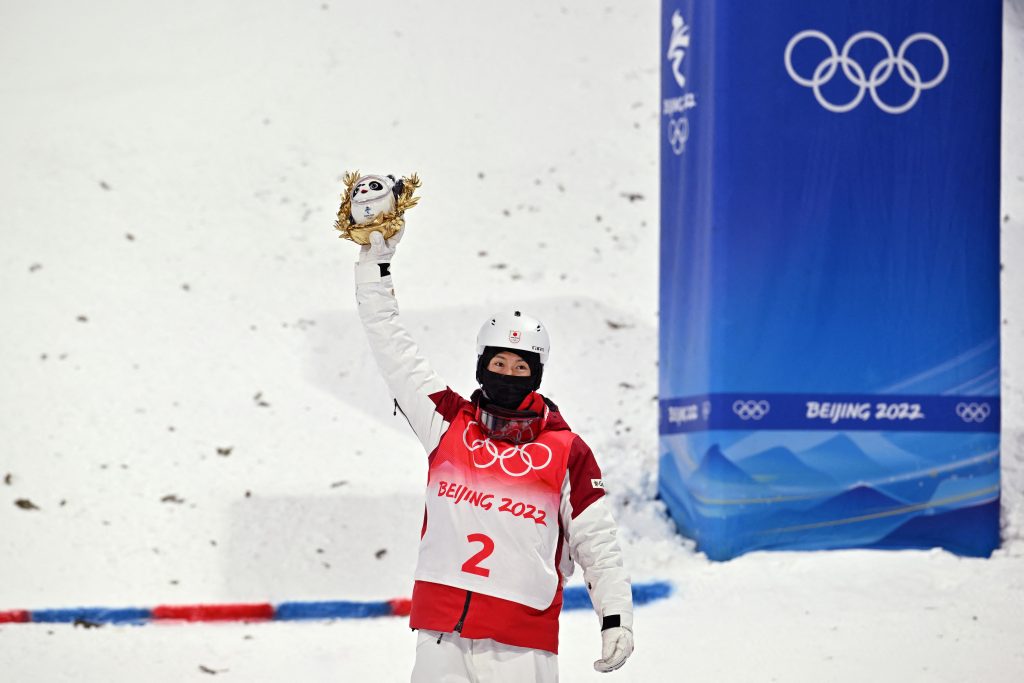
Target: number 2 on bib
472, 565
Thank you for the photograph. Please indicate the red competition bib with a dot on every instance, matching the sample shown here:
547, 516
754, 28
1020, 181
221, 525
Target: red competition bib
492, 513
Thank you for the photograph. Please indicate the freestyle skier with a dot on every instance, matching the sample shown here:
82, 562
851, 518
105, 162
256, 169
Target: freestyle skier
513, 499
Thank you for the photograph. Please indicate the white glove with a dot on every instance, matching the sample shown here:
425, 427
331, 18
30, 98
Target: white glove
616, 646
380, 250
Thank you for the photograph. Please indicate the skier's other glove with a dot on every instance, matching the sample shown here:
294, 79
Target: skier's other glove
616, 646
380, 250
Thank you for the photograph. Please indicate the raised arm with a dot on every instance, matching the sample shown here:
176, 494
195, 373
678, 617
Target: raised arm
417, 389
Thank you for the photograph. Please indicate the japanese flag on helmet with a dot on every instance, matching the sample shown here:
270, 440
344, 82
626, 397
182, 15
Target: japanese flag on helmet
514, 331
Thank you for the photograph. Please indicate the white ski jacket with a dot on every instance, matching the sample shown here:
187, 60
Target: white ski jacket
503, 524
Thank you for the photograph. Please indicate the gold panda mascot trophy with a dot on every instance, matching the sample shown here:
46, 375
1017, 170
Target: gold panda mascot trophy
374, 203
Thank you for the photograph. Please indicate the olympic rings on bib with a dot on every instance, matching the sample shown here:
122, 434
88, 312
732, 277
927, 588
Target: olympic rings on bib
866, 81
519, 455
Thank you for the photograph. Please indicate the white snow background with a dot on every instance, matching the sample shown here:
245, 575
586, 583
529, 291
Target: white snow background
188, 399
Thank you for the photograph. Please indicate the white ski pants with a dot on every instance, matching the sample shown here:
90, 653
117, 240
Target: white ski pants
479, 660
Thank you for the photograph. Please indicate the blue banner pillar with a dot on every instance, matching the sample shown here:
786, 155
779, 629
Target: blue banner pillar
829, 341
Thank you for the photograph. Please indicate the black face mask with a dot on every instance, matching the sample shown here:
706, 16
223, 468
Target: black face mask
505, 391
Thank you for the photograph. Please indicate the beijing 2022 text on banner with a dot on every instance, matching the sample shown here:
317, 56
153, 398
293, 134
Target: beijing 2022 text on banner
830, 273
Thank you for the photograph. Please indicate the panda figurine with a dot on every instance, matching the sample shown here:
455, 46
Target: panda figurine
373, 195
374, 203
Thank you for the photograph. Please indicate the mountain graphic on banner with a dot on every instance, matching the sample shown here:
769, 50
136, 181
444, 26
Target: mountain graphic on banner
779, 466
718, 469
861, 507
843, 460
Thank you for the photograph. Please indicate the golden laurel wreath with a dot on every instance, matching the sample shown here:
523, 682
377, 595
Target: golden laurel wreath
387, 222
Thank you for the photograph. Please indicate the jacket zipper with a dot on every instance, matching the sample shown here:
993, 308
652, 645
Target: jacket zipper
462, 619
465, 610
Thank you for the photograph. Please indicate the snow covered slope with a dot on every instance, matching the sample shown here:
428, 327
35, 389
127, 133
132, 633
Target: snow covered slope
189, 402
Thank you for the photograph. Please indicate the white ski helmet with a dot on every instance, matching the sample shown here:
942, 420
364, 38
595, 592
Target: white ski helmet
514, 331
372, 195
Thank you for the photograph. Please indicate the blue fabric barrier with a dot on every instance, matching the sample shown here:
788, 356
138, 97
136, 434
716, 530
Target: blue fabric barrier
829, 340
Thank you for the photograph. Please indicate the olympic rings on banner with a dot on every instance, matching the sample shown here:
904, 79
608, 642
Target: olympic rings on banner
751, 410
519, 454
678, 133
866, 80
973, 412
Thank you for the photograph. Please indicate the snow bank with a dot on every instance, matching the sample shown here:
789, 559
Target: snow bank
191, 412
